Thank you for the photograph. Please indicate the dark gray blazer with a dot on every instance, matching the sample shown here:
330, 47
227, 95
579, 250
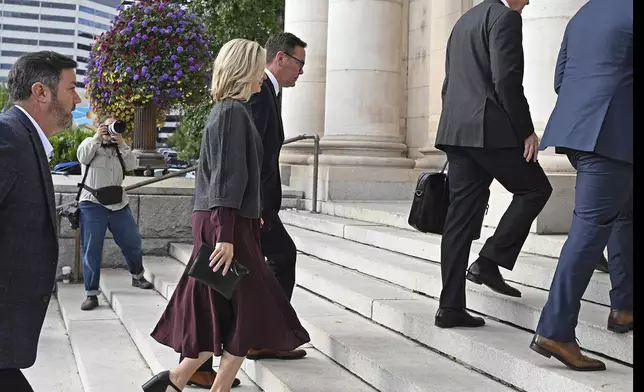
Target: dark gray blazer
594, 110
28, 240
483, 100
230, 162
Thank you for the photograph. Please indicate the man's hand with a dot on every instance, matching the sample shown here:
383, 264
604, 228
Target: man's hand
222, 256
531, 148
102, 133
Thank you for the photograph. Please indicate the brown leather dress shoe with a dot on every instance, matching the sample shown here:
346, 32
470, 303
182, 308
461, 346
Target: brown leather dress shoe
205, 379
620, 321
567, 353
274, 354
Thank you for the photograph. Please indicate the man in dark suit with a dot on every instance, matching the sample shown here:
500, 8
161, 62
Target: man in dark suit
592, 123
285, 57
487, 133
42, 86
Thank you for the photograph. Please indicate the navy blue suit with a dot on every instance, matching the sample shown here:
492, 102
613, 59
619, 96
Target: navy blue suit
592, 123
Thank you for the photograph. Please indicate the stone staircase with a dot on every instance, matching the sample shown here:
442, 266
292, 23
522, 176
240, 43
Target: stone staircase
367, 294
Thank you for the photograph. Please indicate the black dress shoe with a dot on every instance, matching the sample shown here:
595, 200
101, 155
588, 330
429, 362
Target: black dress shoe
159, 383
142, 283
450, 318
90, 303
602, 265
486, 272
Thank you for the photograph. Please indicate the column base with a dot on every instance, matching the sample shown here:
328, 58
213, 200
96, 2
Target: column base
556, 216
297, 153
357, 183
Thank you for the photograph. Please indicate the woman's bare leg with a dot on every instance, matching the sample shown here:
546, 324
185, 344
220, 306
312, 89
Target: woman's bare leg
186, 368
228, 368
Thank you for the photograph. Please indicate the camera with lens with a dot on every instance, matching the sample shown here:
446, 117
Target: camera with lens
117, 127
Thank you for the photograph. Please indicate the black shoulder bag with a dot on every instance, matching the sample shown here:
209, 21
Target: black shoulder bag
431, 201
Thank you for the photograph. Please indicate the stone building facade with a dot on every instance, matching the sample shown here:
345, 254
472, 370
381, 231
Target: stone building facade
371, 90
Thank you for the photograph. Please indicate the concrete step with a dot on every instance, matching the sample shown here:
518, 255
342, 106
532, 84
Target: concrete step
315, 373
396, 213
107, 358
424, 277
139, 310
388, 361
55, 369
489, 349
530, 270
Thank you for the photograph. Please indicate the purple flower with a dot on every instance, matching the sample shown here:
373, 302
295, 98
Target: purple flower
147, 61
198, 66
157, 58
169, 28
167, 44
183, 22
179, 73
118, 7
191, 60
154, 29
180, 49
148, 76
165, 76
135, 77
133, 40
176, 78
144, 23
144, 70
180, 30
177, 66
147, 10
193, 15
191, 68
145, 37
128, 69
174, 57
124, 31
138, 35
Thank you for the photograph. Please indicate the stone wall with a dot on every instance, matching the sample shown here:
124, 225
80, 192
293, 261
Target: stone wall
163, 212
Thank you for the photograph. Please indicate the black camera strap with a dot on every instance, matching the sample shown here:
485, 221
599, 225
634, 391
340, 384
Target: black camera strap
82, 183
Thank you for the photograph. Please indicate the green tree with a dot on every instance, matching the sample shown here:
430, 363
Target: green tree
4, 96
224, 19
66, 143
186, 139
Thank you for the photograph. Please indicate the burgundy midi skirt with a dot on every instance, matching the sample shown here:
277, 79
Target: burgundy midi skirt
259, 316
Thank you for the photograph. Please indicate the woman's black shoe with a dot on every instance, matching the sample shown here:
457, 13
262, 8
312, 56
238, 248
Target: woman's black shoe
159, 383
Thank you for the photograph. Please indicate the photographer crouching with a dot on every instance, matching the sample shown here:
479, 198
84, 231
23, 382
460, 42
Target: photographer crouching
105, 158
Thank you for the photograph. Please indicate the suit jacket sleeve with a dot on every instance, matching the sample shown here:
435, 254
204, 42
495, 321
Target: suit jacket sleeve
8, 160
446, 81
506, 59
561, 62
259, 110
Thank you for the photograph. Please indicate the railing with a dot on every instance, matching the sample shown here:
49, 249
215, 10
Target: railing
316, 160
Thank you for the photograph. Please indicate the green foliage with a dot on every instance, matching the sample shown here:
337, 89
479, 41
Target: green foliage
227, 19
66, 143
186, 139
4, 95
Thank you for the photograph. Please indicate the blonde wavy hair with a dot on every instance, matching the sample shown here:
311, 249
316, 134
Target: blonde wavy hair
238, 67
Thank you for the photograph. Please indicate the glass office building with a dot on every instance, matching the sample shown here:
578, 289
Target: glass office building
65, 26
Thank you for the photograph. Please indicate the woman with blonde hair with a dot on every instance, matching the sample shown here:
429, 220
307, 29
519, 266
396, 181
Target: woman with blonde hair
199, 322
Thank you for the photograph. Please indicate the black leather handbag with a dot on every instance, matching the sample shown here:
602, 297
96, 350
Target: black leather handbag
431, 200
223, 284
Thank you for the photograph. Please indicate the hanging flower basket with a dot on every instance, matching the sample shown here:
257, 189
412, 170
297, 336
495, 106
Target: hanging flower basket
155, 53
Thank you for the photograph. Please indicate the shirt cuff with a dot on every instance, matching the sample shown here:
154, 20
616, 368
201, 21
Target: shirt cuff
225, 230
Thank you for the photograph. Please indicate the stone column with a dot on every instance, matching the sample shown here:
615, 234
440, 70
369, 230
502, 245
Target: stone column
362, 118
544, 23
303, 105
443, 14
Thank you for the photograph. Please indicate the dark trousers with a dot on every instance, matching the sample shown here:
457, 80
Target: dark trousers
280, 253
603, 216
470, 173
13, 380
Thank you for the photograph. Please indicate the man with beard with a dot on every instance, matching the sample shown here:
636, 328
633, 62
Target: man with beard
285, 57
42, 86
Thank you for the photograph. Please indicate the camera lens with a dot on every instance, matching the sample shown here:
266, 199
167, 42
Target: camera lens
117, 127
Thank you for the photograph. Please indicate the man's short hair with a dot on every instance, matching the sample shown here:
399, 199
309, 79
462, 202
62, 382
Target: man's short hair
44, 67
282, 42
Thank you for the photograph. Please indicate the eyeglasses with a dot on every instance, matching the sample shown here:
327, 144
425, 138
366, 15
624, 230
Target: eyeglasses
300, 63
